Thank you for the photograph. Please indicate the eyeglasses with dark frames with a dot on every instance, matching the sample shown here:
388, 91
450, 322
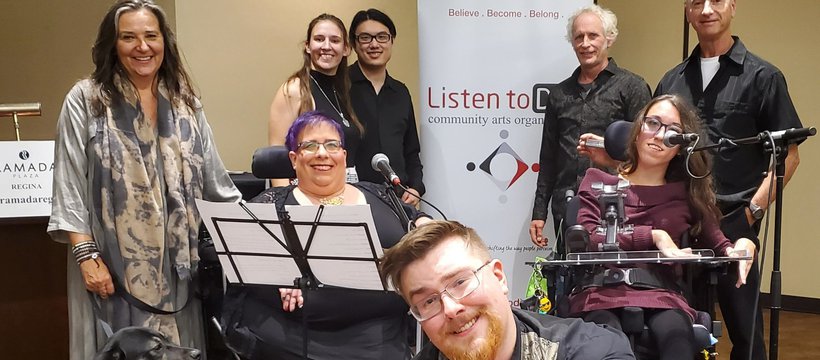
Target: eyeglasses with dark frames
365, 38
653, 124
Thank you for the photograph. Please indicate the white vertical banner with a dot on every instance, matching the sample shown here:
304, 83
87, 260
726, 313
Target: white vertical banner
486, 67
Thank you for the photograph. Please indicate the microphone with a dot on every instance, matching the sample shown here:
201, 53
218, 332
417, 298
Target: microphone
790, 134
672, 138
381, 163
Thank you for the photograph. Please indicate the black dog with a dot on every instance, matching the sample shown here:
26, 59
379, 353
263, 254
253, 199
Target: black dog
141, 343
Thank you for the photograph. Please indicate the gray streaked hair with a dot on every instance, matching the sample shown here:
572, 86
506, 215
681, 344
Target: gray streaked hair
608, 20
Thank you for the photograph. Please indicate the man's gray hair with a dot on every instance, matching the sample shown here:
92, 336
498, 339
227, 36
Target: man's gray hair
608, 19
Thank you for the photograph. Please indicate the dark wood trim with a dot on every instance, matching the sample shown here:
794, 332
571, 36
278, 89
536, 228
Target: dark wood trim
33, 220
793, 303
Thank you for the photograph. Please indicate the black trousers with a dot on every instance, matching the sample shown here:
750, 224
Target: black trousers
737, 305
670, 329
739, 311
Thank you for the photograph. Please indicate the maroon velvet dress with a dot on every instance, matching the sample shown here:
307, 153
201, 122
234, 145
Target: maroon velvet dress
663, 207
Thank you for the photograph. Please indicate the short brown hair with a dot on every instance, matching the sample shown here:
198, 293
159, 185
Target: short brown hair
418, 243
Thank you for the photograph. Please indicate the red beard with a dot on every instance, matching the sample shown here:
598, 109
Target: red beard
478, 349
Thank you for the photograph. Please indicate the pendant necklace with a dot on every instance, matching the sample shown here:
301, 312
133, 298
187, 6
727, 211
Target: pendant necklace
344, 120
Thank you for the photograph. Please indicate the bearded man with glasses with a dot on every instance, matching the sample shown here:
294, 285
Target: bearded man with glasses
443, 270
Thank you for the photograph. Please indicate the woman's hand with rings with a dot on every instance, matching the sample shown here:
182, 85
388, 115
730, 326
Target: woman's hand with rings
291, 299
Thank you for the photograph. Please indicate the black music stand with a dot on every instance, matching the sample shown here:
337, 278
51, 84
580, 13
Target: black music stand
301, 254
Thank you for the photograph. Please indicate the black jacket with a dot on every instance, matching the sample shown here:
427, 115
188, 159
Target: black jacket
545, 337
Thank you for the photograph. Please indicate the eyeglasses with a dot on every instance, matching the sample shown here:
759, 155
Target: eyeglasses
652, 125
365, 38
698, 5
460, 288
312, 147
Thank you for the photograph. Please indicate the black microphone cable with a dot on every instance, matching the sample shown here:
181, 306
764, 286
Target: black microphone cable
689, 151
406, 189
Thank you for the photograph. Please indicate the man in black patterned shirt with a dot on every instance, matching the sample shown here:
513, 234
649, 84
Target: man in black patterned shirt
597, 93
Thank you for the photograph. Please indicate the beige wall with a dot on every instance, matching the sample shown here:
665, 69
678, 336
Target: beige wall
45, 47
240, 51
240, 54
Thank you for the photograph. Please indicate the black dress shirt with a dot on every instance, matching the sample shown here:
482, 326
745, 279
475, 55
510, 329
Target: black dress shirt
616, 94
747, 95
390, 128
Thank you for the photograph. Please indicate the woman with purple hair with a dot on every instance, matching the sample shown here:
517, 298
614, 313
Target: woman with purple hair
269, 323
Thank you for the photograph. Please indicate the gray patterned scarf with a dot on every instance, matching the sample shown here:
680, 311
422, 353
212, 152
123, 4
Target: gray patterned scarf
148, 179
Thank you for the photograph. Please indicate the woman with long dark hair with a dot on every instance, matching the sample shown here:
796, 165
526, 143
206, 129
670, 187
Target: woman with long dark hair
663, 204
133, 153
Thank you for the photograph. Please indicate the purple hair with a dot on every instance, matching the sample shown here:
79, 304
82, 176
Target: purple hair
310, 119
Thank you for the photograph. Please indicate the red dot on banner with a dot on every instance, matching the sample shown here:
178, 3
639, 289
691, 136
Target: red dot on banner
536, 167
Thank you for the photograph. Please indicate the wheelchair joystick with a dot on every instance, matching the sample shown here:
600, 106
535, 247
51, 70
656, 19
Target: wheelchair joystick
611, 200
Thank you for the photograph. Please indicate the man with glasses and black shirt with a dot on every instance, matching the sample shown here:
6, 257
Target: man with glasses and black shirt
383, 105
595, 95
459, 295
737, 95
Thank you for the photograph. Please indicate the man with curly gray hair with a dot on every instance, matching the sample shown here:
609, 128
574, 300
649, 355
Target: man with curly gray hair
597, 93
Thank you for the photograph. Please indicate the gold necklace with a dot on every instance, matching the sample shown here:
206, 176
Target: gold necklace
334, 200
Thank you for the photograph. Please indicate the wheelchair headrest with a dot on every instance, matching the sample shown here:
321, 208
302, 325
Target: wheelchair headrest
272, 162
616, 138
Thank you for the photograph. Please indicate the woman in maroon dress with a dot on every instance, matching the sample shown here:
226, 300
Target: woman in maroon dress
662, 203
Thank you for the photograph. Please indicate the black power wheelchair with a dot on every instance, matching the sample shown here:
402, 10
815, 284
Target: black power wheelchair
571, 267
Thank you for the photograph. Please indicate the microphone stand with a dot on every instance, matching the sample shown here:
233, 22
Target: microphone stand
779, 147
776, 283
396, 204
